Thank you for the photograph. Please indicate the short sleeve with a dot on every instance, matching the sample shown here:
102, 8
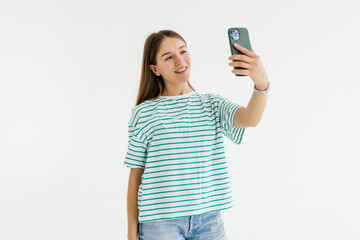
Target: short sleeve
137, 146
227, 111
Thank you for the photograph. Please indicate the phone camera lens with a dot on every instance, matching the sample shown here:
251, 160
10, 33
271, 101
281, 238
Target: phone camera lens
235, 34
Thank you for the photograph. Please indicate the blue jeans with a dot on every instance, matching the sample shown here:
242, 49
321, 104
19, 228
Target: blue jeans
207, 226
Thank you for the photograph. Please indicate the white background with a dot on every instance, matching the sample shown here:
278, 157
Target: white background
70, 72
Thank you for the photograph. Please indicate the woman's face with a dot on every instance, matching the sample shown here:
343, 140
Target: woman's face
171, 58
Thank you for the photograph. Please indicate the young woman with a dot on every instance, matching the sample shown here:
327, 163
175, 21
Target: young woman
179, 181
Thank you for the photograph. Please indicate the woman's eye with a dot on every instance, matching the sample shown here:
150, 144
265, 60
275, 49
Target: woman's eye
170, 56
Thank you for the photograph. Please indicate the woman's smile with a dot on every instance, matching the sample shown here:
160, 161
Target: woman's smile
182, 70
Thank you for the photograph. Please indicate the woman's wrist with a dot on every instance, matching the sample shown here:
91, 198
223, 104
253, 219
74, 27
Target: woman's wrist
262, 86
262, 90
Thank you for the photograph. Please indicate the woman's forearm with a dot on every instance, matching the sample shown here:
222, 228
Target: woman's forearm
251, 115
132, 197
255, 108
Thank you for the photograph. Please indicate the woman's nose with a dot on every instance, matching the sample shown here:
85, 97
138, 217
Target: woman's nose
178, 60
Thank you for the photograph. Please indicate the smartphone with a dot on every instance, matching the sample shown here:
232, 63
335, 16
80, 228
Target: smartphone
241, 37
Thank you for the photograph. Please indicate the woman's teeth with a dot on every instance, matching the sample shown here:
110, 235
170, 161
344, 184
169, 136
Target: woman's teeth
180, 71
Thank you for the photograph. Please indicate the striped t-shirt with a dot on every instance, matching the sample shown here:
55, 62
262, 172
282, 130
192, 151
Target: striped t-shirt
178, 141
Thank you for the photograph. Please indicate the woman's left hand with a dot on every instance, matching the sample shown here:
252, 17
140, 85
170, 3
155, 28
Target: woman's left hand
252, 64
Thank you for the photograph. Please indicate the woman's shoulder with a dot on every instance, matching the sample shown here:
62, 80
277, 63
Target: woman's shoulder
141, 110
145, 104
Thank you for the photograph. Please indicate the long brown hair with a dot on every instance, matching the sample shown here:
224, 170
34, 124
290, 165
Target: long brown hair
150, 84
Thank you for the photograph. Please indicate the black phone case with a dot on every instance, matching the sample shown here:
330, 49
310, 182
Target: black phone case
243, 40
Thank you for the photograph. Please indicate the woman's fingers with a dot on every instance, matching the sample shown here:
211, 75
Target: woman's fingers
251, 64
241, 71
243, 58
240, 64
244, 50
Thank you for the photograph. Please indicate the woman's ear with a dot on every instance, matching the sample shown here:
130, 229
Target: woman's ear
154, 70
